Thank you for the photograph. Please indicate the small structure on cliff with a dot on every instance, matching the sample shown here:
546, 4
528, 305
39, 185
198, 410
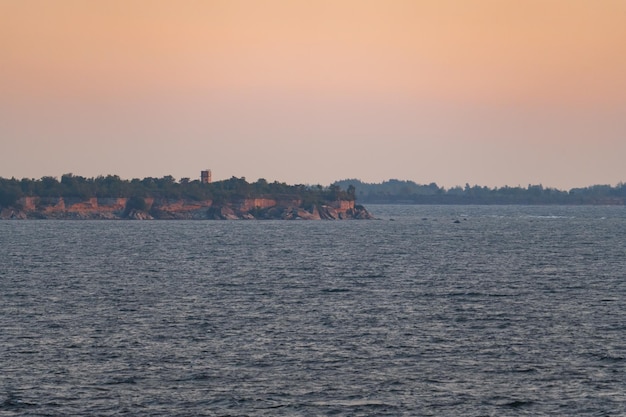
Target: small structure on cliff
205, 176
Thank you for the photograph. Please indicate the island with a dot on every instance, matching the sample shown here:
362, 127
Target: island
112, 198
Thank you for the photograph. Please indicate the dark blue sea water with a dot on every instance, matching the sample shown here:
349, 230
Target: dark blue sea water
430, 311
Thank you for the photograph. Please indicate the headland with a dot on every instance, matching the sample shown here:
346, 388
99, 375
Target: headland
111, 198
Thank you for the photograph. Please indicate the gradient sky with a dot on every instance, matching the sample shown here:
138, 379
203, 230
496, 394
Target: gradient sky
487, 92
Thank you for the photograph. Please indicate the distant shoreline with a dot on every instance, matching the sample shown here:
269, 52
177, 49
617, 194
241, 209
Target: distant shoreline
111, 198
409, 192
75, 198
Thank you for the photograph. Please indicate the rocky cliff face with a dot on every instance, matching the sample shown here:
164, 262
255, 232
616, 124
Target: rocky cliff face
119, 208
65, 208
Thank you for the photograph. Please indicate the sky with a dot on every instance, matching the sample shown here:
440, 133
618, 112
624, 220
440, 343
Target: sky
484, 92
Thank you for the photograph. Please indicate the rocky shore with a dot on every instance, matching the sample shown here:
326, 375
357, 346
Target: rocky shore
168, 209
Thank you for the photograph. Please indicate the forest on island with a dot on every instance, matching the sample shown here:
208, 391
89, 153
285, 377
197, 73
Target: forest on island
408, 192
112, 186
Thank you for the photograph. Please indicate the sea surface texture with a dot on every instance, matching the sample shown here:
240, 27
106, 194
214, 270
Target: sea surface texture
429, 311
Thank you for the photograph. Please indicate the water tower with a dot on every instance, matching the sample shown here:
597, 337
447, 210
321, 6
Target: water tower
205, 176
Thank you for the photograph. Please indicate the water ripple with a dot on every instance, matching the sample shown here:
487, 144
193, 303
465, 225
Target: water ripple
514, 311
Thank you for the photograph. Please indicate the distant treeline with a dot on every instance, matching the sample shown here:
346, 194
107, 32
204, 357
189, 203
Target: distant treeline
112, 186
408, 192
389, 192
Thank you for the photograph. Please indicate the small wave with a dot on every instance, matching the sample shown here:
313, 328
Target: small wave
607, 357
12, 402
373, 275
201, 377
356, 403
466, 294
122, 380
517, 404
524, 370
548, 217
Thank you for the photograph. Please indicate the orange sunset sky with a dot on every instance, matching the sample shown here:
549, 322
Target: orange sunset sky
487, 92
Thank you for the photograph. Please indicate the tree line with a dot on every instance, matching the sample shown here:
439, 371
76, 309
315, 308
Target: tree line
408, 192
112, 186
388, 192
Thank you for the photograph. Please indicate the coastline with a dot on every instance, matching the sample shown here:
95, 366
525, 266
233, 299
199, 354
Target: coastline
264, 208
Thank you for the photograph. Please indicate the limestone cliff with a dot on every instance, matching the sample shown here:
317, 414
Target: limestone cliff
266, 208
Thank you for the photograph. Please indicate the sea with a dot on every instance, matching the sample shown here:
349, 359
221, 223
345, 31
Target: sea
426, 311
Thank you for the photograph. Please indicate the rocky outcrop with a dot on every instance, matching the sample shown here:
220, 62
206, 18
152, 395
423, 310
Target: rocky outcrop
288, 210
267, 208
